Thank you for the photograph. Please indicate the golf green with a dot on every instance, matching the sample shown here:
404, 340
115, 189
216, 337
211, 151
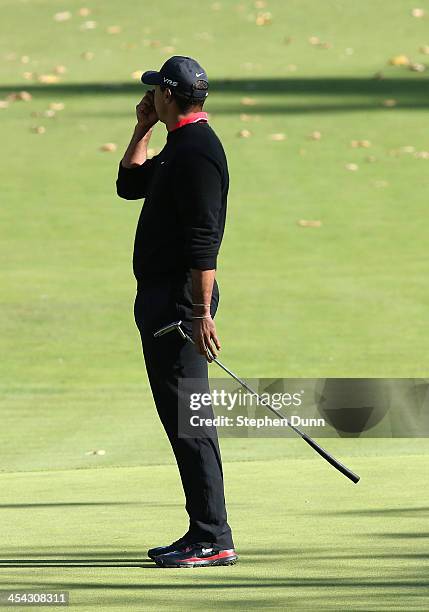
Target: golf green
322, 273
307, 538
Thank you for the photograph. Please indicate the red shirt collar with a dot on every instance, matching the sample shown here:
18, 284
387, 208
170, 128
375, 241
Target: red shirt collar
191, 118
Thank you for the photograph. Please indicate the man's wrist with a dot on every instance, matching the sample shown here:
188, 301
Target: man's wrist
201, 309
143, 130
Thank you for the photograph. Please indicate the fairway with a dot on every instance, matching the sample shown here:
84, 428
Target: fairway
322, 273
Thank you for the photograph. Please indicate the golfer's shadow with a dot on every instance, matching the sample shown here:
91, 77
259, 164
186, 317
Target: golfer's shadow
78, 559
24, 563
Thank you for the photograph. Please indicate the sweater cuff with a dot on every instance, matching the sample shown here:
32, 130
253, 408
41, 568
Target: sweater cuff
124, 168
204, 263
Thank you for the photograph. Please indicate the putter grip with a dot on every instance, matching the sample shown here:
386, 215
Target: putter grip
330, 459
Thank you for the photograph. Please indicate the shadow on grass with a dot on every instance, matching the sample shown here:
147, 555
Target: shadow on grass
403, 535
210, 580
241, 586
371, 555
381, 511
85, 504
122, 558
345, 93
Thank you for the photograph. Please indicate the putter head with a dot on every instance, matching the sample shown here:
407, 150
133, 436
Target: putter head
170, 327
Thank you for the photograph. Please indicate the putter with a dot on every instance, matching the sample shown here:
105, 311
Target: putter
176, 326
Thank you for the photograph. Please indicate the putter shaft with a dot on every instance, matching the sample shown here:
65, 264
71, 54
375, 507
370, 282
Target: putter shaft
314, 445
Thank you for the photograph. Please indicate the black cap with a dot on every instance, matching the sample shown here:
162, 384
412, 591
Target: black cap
180, 73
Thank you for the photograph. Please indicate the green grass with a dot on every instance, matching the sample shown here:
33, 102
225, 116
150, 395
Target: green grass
347, 299
307, 538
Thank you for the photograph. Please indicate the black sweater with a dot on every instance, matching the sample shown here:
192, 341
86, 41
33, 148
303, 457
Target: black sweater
185, 188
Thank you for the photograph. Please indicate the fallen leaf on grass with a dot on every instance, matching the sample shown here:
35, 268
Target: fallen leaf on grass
263, 19
56, 106
416, 67
62, 16
316, 42
315, 135
108, 146
424, 49
418, 12
248, 101
39, 129
422, 154
352, 167
360, 143
244, 134
25, 96
87, 55
399, 60
114, 29
48, 78
4, 103
390, 102
60, 69
278, 136
88, 25
309, 223
84, 12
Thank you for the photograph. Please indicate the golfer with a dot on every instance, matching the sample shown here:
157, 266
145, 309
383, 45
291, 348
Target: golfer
177, 240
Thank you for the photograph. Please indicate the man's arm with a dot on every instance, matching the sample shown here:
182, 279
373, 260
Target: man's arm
198, 188
133, 177
135, 169
136, 153
204, 329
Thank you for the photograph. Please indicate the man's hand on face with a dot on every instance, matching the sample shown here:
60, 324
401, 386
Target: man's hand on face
145, 110
205, 336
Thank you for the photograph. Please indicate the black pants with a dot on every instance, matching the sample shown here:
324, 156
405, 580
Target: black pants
169, 358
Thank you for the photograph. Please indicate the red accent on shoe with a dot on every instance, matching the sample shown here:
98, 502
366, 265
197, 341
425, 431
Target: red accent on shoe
221, 555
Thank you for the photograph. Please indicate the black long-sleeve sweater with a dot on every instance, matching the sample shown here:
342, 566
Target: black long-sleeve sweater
185, 187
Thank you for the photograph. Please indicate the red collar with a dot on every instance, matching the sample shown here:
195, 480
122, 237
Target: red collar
191, 118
